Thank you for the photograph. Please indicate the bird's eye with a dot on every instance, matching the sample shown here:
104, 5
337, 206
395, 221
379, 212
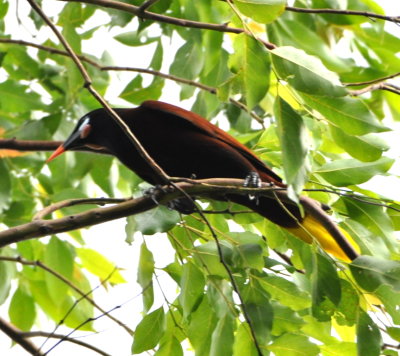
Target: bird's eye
85, 131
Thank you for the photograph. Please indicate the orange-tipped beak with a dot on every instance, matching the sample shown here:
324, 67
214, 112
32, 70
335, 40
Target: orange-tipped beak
56, 153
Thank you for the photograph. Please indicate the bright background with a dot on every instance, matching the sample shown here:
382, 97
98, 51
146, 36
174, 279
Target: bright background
109, 238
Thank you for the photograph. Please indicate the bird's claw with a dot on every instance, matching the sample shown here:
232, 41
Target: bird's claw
252, 180
152, 192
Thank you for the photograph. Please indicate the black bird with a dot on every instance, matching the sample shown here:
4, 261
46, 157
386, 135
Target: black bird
184, 144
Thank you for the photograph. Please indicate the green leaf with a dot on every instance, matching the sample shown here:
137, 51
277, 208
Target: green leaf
202, 324
104, 181
293, 345
58, 256
208, 255
348, 306
390, 300
286, 292
349, 114
22, 310
3, 8
369, 338
285, 320
136, 94
372, 272
251, 63
192, 288
325, 285
264, 11
259, 311
244, 344
99, 265
293, 137
170, 346
157, 59
373, 218
156, 220
7, 272
145, 276
306, 73
351, 171
188, 61
149, 331
394, 332
249, 256
285, 32
75, 15
134, 38
219, 294
5, 187
365, 148
222, 338
14, 98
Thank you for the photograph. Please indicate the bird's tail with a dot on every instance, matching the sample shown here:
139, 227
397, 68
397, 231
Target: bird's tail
307, 228
310, 230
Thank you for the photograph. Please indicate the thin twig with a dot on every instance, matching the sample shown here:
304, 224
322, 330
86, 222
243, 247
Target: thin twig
156, 73
378, 86
72, 202
77, 301
65, 338
373, 81
16, 335
146, 5
166, 19
66, 281
30, 145
89, 320
395, 19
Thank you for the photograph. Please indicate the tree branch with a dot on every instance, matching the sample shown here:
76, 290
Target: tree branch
63, 337
16, 335
43, 146
206, 188
395, 19
72, 202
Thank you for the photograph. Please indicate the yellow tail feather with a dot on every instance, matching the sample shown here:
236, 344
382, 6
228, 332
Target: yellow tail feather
311, 229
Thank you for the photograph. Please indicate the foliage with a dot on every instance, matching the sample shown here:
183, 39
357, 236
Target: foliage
283, 81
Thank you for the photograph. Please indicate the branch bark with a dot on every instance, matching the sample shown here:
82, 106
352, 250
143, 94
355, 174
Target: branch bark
206, 188
42, 146
16, 335
395, 19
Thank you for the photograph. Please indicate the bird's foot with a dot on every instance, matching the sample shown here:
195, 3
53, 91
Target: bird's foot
153, 191
183, 205
253, 180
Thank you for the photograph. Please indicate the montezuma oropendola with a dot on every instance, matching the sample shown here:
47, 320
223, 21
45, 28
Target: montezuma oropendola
184, 144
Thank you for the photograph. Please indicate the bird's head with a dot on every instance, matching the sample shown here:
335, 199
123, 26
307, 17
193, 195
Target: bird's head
84, 134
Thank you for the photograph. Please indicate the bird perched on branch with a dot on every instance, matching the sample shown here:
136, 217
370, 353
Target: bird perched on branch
184, 144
